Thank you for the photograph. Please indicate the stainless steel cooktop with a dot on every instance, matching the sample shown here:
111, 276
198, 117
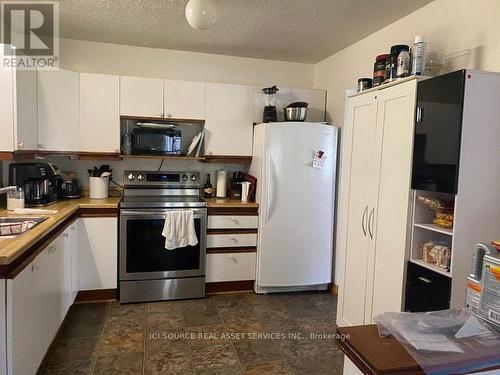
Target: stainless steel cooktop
153, 189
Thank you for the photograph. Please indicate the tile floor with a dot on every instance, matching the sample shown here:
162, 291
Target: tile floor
221, 335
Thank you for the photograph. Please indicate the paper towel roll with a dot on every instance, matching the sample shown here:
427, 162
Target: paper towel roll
221, 184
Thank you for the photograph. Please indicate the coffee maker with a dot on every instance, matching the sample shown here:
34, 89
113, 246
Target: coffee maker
41, 182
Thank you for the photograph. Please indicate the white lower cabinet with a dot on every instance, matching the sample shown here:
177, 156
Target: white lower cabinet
97, 253
69, 243
230, 267
3, 333
31, 304
34, 303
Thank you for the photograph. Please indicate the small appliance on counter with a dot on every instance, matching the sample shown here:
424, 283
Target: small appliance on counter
296, 111
270, 114
70, 187
41, 182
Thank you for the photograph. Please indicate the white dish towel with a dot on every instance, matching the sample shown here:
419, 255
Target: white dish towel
178, 229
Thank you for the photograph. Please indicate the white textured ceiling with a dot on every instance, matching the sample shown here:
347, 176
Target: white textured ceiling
290, 30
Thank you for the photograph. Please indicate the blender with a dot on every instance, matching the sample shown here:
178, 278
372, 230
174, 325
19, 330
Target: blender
270, 114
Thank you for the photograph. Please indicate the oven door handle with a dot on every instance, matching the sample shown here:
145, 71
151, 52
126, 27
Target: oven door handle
136, 213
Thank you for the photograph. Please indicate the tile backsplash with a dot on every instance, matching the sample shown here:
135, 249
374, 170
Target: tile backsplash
80, 167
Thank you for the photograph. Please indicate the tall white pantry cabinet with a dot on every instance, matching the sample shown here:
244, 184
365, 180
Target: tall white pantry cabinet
374, 206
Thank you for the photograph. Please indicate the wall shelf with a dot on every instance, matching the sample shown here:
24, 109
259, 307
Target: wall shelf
164, 119
73, 155
435, 228
431, 267
233, 159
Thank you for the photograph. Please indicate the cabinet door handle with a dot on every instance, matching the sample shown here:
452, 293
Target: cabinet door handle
65, 235
370, 223
419, 115
234, 220
363, 220
20, 144
233, 258
425, 280
233, 238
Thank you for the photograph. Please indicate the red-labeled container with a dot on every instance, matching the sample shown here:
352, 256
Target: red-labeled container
379, 69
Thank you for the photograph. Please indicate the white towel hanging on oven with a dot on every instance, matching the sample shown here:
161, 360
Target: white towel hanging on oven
179, 230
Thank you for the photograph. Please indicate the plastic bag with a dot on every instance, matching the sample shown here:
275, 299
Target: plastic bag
444, 342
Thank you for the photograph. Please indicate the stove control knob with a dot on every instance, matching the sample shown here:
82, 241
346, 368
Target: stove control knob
194, 177
131, 177
184, 178
140, 177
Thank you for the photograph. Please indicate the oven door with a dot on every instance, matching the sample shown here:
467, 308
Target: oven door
142, 247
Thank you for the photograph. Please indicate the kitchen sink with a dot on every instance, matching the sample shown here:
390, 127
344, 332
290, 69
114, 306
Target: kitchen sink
11, 226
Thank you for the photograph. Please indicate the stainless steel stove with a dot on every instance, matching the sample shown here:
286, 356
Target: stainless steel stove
148, 271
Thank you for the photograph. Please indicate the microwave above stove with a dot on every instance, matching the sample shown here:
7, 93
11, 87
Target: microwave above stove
156, 141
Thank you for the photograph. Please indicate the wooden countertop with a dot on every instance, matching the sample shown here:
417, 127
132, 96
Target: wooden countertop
376, 355
229, 203
13, 247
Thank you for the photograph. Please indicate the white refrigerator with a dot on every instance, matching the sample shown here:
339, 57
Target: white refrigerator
296, 196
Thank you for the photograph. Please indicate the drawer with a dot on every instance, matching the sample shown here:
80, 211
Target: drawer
418, 300
230, 267
428, 281
232, 222
232, 240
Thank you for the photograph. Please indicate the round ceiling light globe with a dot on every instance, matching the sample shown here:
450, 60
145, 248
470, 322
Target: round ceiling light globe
201, 14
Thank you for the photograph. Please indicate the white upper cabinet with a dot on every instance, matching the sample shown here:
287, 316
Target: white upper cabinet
6, 108
99, 113
58, 110
25, 110
316, 100
141, 97
184, 99
229, 120
260, 101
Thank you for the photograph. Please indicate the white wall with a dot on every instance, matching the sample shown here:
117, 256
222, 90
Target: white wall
471, 26
119, 59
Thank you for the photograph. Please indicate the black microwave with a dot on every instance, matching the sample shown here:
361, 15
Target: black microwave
156, 141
